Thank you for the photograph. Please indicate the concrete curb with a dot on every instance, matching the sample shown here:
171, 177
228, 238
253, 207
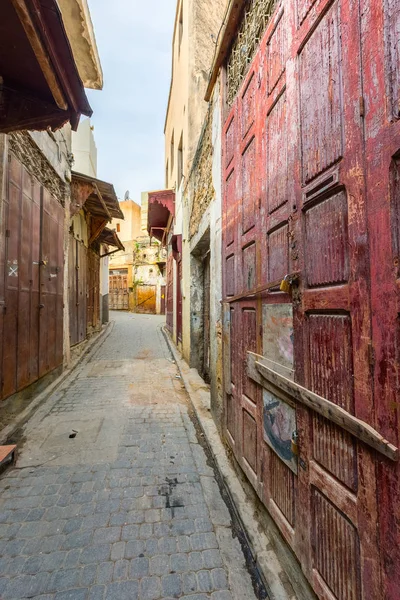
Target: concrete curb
283, 578
41, 397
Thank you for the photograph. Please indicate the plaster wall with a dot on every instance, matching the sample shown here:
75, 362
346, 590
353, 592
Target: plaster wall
206, 237
84, 149
216, 364
131, 227
193, 50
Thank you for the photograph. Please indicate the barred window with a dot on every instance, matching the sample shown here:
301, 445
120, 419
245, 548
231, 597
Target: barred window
254, 22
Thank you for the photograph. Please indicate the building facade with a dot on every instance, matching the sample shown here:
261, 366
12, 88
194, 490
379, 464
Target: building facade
42, 90
137, 274
196, 29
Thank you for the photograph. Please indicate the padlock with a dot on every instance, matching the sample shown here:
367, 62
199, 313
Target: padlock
285, 285
295, 443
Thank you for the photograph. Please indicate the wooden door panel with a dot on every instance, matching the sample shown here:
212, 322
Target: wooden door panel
321, 116
295, 201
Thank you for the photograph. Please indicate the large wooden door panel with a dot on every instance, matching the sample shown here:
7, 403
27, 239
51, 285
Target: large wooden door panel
382, 131
32, 309
295, 201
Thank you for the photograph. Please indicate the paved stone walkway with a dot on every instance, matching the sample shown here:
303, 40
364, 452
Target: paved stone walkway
112, 496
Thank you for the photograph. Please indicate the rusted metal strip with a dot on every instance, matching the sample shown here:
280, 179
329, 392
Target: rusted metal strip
263, 288
257, 370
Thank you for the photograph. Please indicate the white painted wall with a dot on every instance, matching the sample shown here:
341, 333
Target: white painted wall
84, 149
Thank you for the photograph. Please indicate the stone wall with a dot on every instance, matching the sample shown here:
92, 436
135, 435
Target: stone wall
200, 182
26, 150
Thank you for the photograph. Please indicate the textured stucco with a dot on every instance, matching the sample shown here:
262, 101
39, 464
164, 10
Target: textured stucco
79, 28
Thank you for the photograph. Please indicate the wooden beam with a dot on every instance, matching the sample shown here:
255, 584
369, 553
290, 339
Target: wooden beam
258, 371
40, 52
97, 232
102, 200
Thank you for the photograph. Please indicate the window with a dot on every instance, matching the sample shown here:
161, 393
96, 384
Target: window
118, 227
172, 152
180, 28
166, 175
180, 161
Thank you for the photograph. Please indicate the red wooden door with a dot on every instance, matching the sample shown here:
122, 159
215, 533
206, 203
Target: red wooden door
170, 293
295, 202
179, 300
381, 59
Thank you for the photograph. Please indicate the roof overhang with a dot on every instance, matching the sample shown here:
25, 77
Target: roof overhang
79, 28
40, 86
229, 28
98, 197
161, 208
110, 238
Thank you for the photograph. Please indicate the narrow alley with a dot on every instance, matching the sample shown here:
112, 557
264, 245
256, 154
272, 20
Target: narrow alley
112, 496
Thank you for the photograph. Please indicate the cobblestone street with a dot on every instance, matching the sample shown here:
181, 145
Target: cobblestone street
112, 496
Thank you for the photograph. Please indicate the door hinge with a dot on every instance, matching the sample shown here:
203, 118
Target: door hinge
362, 106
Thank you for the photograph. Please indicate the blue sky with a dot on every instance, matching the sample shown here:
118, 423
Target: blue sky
134, 40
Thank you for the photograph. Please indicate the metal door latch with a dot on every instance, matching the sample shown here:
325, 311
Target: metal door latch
295, 443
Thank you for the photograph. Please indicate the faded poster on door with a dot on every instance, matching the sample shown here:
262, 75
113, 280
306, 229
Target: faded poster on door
279, 423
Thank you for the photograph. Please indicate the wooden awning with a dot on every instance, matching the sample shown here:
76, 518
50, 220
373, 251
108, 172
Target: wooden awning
161, 208
98, 197
39, 83
109, 238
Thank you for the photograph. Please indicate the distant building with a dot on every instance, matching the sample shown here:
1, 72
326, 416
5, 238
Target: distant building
137, 274
193, 46
84, 149
85, 163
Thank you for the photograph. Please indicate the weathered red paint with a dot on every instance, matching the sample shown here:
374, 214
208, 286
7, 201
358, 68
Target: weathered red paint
311, 157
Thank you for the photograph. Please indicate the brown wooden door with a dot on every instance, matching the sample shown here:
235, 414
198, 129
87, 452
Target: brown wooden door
93, 291
77, 281
119, 292
295, 202
146, 299
31, 289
